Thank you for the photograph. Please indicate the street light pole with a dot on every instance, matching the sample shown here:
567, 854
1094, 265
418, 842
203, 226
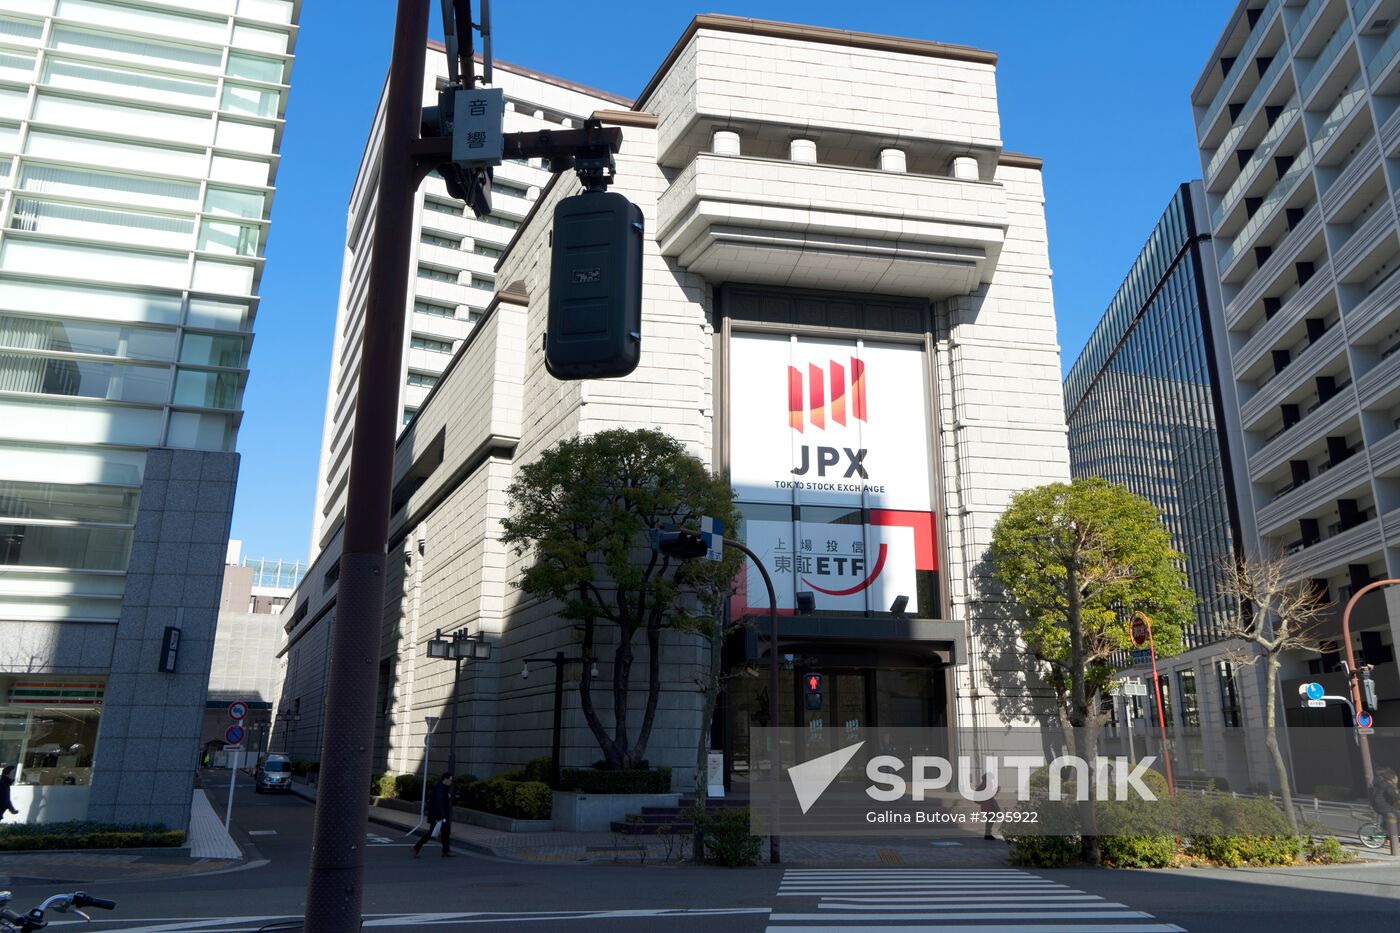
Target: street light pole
1354, 682
774, 757
559, 660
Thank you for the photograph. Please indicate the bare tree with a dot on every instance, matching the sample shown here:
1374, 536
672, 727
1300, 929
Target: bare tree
1278, 612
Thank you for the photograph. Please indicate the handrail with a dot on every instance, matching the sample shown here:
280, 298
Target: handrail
1281, 189
1246, 53
1305, 20
1262, 152
1324, 59
1266, 81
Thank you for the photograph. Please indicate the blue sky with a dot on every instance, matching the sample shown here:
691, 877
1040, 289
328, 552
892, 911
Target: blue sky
1098, 89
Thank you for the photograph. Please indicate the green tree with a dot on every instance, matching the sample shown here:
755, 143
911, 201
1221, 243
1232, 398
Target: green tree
585, 511
1077, 560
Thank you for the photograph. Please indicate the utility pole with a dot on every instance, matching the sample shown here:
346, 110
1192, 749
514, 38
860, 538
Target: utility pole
335, 887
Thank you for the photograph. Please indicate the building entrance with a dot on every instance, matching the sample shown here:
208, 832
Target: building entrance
852, 699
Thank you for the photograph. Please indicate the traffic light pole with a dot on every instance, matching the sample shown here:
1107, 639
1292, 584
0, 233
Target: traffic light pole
1354, 682
775, 758
335, 886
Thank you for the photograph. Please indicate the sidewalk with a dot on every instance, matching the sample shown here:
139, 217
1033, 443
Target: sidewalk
600, 846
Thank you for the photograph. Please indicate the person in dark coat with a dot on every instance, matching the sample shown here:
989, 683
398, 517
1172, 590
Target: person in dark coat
7, 780
439, 812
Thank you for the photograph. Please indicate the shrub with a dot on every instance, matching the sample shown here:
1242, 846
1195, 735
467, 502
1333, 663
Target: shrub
83, 834
408, 786
725, 831
539, 769
595, 781
1326, 850
525, 800
1234, 851
1043, 851
1138, 851
384, 786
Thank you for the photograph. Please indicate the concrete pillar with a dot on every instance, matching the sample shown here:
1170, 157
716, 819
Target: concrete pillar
893, 160
803, 150
725, 142
965, 168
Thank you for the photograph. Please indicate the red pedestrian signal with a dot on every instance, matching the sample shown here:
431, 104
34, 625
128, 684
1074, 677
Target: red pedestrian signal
814, 683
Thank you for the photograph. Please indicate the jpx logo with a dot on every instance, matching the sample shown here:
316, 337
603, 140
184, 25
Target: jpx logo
812, 403
591, 276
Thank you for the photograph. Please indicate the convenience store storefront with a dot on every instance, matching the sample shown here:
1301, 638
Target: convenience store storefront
48, 732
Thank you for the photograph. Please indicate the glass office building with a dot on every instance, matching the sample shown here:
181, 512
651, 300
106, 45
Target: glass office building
1144, 407
138, 153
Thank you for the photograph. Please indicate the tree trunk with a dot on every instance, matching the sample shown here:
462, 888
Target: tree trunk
639, 748
1079, 707
715, 645
1271, 665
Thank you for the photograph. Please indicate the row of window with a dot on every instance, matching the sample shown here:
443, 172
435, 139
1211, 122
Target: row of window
1189, 714
428, 238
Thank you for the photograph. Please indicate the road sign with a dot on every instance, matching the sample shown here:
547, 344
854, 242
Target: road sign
233, 748
1365, 730
476, 126
1365, 720
1135, 688
1313, 691
1317, 703
237, 710
1142, 656
1139, 631
712, 533
233, 735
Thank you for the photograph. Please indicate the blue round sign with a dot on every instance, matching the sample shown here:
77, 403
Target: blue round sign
1315, 691
1364, 720
233, 735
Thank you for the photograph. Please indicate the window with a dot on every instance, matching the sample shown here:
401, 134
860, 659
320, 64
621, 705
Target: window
408, 414
65, 546
250, 101
436, 274
1229, 693
497, 221
473, 316
490, 252
430, 344
416, 378
1165, 715
212, 350
254, 68
64, 502
435, 309
129, 84
433, 239
83, 378
137, 50
206, 390
1190, 707
505, 187
92, 185
442, 207
65, 336
59, 740
484, 281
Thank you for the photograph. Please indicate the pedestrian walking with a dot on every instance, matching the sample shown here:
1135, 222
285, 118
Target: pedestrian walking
439, 817
988, 806
7, 780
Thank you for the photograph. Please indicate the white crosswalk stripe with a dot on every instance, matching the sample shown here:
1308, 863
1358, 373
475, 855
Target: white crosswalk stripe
948, 900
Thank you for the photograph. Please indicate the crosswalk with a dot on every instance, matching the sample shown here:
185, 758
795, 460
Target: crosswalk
948, 900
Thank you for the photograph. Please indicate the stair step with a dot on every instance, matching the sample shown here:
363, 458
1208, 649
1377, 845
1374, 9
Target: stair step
649, 829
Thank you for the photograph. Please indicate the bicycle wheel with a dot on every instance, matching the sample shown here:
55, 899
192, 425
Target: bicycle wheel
1372, 835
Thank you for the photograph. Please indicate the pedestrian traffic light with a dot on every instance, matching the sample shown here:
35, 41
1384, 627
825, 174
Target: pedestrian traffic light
812, 690
1368, 692
683, 544
594, 329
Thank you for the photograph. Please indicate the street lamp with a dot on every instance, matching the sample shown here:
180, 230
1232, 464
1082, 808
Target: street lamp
1353, 681
460, 647
559, 660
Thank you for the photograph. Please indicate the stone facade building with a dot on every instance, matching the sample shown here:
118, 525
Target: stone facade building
854, 263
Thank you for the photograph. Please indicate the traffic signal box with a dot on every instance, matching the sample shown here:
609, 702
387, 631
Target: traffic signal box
595, 288
812, 690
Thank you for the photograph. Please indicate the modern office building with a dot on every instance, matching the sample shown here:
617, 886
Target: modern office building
1297, 116
1150, 404
138, 152
862, 266
454, 257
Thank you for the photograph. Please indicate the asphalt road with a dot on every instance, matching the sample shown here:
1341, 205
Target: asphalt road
473, 893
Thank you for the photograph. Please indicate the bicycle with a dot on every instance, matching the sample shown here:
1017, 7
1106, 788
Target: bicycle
1373, 833
11, 922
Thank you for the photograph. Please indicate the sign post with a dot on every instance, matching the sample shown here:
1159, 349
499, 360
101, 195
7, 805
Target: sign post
1142, 631
233, 742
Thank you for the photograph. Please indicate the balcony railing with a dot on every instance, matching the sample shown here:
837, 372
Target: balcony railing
1305, 19
1232, 138
1359, 9
1281, 189
1262, 153
1352, 98
1325, 58
1246, 54
1383, 55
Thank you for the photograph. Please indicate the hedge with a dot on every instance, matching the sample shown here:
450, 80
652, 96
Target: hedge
726, 834
593, 781
524, 800
83, 834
